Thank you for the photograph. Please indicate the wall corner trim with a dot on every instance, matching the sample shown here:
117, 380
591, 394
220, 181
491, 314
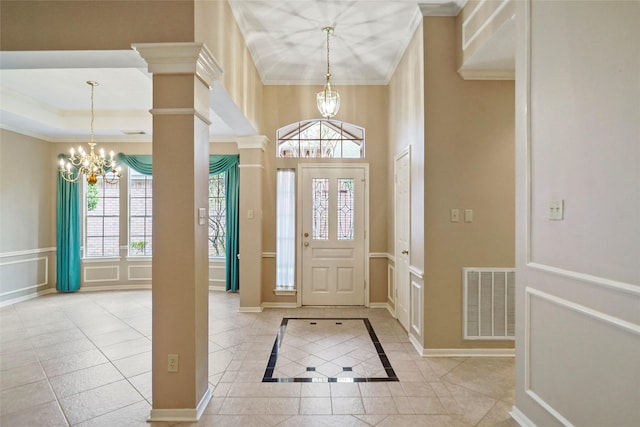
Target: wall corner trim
383, 305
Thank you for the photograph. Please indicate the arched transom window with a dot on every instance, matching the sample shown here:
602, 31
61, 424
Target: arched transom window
321, 139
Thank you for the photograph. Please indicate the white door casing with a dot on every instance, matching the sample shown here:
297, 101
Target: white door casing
402, 191
333, 212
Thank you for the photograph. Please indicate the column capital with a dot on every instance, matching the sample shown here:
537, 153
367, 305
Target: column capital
255, 141
180, 58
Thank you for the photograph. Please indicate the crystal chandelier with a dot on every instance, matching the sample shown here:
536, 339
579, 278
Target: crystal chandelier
328, 100
90, 164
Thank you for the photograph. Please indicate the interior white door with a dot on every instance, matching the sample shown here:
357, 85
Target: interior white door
403, 237
333, 235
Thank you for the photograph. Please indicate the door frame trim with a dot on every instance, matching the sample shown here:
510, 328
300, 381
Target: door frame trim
365, 255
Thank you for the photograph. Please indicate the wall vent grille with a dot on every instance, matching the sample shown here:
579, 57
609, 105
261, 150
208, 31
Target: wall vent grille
489, 303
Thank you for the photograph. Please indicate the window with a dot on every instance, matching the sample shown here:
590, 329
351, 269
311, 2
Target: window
217, 215
102, 216
286, 229
102, 219
320, 139
140, 213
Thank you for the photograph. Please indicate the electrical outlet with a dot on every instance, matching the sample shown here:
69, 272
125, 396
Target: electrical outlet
172, 364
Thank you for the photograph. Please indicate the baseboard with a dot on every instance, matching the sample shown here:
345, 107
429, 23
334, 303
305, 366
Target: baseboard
416, 344
114, 288
521, 418
468, 352
217, 288
279, 305
250, 310
26, 297
383, 305
180, 415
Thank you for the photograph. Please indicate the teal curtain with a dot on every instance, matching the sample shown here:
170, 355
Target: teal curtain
233, 230
138, 162
227, 164
68, 236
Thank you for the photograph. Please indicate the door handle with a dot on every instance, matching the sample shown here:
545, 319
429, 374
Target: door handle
306, 243
306, 234
405, 252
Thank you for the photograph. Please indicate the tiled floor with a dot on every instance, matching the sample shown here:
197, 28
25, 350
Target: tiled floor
84, 359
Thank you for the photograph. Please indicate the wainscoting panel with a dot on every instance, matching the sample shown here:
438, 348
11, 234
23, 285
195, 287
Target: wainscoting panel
103, 273
139, 272
417, 305
20, 275
607, 349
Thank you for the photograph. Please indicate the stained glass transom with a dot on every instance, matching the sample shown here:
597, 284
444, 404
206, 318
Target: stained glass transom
320, 209
345, 209
320, 139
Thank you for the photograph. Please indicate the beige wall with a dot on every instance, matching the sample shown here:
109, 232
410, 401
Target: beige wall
469, 164
365, 106
217, 28
27, 216
94, 25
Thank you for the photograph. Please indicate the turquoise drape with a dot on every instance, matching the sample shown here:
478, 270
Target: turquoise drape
68, 236
233, 230
138, 162
227, 164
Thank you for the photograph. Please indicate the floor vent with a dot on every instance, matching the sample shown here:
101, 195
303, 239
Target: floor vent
489, 303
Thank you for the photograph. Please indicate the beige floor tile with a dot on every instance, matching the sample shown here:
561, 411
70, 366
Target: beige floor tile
347, 405
47, 414
85, 379
379, 405
25, 396
431, 391
21, 375
73, 362
99, 401
315, 406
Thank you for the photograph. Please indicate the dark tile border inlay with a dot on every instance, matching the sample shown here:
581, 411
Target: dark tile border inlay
273, 358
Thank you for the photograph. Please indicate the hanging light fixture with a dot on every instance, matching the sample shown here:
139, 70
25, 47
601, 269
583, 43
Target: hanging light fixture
328, 100
90, 164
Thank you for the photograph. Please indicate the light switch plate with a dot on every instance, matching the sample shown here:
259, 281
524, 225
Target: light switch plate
556, 210
202, 216
455, 215
468, 215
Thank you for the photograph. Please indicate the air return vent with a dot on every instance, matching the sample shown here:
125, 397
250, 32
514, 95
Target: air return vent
489, 303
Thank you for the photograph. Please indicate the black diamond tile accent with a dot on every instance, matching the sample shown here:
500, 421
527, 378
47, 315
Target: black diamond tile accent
268, 373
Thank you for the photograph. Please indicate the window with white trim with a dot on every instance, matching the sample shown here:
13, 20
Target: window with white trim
320, 139
102, 219
140, 214
286, 229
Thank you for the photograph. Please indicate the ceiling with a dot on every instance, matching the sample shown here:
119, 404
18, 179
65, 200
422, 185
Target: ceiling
44, 93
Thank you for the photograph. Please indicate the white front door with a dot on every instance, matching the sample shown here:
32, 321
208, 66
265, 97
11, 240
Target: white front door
403, 237
333, 235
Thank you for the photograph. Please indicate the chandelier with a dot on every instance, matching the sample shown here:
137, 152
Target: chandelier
328, 100
90, 164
